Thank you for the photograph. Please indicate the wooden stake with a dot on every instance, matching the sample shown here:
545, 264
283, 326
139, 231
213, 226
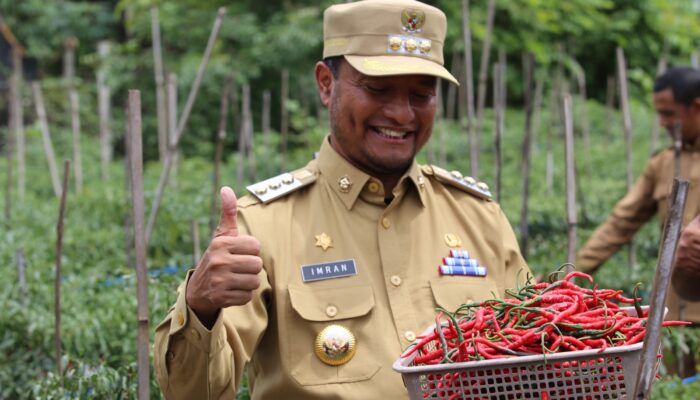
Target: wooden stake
284, 120
136, 167
266, 132
17, 118
469, 88
197, 253
160, 85
46, 136
182, 122
481, 93
667, 253
528, 72
451, 103
104, 105
171, 124
69, 46
610, 101
570, 181
57, 282
627, 126
243, 137
21, 277
498, 125
250, 143
9, 150
660, 69
218, 155
75, 128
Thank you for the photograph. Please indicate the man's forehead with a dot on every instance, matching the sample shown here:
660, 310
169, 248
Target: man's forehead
422, 79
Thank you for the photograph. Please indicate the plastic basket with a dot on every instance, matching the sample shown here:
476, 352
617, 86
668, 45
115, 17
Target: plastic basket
584, 374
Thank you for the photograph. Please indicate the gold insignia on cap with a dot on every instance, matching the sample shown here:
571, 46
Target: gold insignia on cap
345, 184
411, 45
324, 241
425, 46
453, 240
335, 345
412, 20
395, 43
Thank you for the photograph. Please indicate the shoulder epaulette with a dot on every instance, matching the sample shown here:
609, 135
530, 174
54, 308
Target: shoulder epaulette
281, 185
455, 178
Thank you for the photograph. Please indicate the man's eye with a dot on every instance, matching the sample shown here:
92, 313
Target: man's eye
422, 96
375, 89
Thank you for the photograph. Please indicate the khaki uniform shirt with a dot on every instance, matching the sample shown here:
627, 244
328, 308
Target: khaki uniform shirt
392, 298
649, 195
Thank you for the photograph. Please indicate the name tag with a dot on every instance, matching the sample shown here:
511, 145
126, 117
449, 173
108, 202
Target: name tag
329, 270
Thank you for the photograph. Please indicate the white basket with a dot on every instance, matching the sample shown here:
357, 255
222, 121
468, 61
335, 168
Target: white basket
574, 375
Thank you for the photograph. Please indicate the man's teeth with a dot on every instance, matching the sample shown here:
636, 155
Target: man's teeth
391, 133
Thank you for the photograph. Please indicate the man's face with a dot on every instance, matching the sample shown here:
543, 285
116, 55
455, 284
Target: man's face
378, 123
669, 111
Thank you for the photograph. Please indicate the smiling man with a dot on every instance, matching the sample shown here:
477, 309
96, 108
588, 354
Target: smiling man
320, 278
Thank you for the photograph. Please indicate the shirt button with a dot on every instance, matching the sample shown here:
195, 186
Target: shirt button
385, 223
331, 311
395, 280
410, 336
195, 334
180, 318
373, 187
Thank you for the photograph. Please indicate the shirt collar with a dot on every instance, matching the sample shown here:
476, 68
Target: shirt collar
348, 182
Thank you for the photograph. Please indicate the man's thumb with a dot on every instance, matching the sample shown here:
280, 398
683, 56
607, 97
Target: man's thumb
228, 224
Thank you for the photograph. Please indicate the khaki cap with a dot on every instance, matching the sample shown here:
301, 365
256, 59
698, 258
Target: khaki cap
387, 37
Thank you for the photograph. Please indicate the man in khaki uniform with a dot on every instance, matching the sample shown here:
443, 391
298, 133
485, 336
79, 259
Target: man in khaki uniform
323, 276
676, 99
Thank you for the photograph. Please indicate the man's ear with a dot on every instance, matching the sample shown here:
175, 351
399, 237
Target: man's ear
324, 82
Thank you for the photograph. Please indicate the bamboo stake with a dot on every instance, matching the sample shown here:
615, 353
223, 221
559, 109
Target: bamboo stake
469, 88
570, 181
46, 136
21, 277
537, 110
8, 189
451, 102
250, 143
610, 101
695, 60
17, 117
243, 136
182, 122
104, 104
136, 167
266, 133
75, 128
284, 120
498, 125
528, 69
660, 69
218, 155
585, 126
627, 126
160, 85
171, 114
69, 45
195, 242
57, 282
481, 93
667, 253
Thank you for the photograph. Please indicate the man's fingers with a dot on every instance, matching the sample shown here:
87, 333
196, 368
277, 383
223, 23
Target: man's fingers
228, 224
237, 245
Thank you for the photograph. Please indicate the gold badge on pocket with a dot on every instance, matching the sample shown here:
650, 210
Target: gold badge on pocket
335, 345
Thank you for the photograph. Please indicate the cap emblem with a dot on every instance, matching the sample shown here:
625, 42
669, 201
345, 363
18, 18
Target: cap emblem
412, 20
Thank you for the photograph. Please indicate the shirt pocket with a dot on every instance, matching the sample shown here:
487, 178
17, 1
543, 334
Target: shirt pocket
451, 292
317, 308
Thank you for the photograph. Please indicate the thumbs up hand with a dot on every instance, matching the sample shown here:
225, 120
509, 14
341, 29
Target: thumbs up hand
686, 272
227, 273
688, 252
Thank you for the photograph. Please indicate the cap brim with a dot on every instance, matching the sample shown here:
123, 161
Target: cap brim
398, 65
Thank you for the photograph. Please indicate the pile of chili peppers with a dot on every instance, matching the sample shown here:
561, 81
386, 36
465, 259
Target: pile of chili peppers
539, 319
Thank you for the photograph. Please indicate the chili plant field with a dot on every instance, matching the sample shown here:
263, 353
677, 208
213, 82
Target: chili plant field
98, 307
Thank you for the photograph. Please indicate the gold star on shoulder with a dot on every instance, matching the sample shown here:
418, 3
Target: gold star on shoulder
324, 241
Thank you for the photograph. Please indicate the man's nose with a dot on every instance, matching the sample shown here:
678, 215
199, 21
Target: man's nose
400, 109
